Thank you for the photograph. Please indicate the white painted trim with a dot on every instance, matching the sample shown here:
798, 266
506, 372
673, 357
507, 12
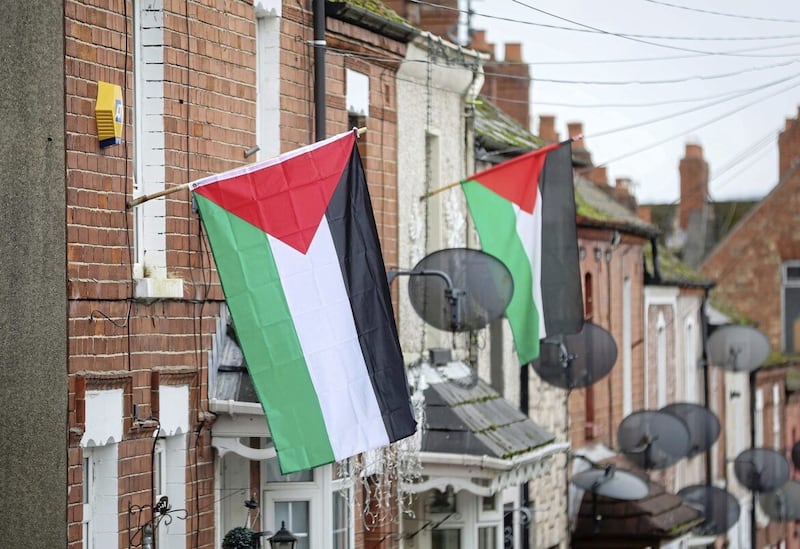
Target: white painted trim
103, 412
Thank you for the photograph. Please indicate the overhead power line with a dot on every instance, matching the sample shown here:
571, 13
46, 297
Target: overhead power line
737, 16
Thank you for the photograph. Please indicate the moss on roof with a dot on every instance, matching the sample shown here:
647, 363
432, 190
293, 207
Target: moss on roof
497, 131
723, 306
376, 7
672, 269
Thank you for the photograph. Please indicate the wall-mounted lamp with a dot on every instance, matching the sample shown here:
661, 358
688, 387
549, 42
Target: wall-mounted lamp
582, 253
609, 253
283, 539
598, 254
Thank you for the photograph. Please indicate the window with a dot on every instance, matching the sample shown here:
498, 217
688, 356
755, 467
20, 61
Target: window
690, 367
758, 418
148, 154
791, 307
487, 537
776, 416
341, 520
446, 538
149, 157
627, 364
357, 98
268, 20
100, 519
661, 360
313, 505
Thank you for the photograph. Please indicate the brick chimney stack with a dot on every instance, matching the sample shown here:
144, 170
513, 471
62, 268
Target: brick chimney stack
480, 44
789, 146
598, 176
579, 151
547, 128
623, 193
694, 184
513, 52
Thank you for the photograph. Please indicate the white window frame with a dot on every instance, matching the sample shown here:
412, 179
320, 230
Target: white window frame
627, 359
787, 283
101, 528
690, 360
758, 418
268, 26
319, 494
149, 154
661, 361
776, 416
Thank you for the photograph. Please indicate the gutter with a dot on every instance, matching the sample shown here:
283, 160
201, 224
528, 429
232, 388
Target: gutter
235, 407
493, 463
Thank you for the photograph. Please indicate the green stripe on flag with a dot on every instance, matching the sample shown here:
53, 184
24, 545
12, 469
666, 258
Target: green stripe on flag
496, 222
265, 330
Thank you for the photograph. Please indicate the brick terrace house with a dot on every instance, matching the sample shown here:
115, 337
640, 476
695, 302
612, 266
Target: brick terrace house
122, 328
756, 267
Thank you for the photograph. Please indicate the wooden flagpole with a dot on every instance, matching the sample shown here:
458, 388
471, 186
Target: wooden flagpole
158, 194
457, 183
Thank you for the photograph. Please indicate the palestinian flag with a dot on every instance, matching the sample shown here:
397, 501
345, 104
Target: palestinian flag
524, 212
298, 256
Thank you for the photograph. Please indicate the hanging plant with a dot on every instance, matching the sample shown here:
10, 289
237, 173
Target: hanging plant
239, 538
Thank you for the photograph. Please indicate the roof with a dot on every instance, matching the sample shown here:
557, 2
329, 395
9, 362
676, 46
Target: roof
660, 515
465, 415
596, 209
672, 271
372, 15
498, 136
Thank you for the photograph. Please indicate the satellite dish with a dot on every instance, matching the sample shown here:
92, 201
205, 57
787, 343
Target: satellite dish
704, 427
738, 348
459, 289
719, 507
796, 455
653, 440
784, 503
576, 360
611, 482
761, 469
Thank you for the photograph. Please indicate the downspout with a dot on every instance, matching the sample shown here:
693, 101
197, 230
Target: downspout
656, 269
320, 132
706, 369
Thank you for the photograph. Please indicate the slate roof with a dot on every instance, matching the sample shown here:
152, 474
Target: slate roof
672, 271
372, 15
596, 209
465, 415
660, 515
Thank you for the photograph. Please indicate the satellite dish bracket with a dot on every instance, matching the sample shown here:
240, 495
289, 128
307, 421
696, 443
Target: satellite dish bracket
453, 295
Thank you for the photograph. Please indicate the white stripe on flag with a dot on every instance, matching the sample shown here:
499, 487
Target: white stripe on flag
325, 327
529, 230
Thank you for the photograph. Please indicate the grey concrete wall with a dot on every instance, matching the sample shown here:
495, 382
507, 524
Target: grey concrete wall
33, 338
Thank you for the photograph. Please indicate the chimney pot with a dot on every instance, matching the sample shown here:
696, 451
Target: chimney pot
547, 128
574, 130
693, 150
513, 52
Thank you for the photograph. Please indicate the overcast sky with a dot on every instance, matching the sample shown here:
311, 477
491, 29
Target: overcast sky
733, 105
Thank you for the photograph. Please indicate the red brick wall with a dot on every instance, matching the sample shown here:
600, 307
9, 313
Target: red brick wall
607, 278
747, 264
209, 121
694, 183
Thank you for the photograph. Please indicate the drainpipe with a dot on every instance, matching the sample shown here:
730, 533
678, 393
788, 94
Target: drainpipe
524, 405
706, 369
319, 70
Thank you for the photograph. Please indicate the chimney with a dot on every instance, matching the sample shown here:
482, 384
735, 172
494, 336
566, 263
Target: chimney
547, 128
480, 44
623, 194
693, 170
513, 52
645, 213
789, 147
575, 129
599, 176
580, 155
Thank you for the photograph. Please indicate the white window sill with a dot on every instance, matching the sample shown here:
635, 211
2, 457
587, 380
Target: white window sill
158, 288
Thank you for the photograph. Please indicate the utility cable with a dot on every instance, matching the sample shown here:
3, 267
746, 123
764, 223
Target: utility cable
711, 12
